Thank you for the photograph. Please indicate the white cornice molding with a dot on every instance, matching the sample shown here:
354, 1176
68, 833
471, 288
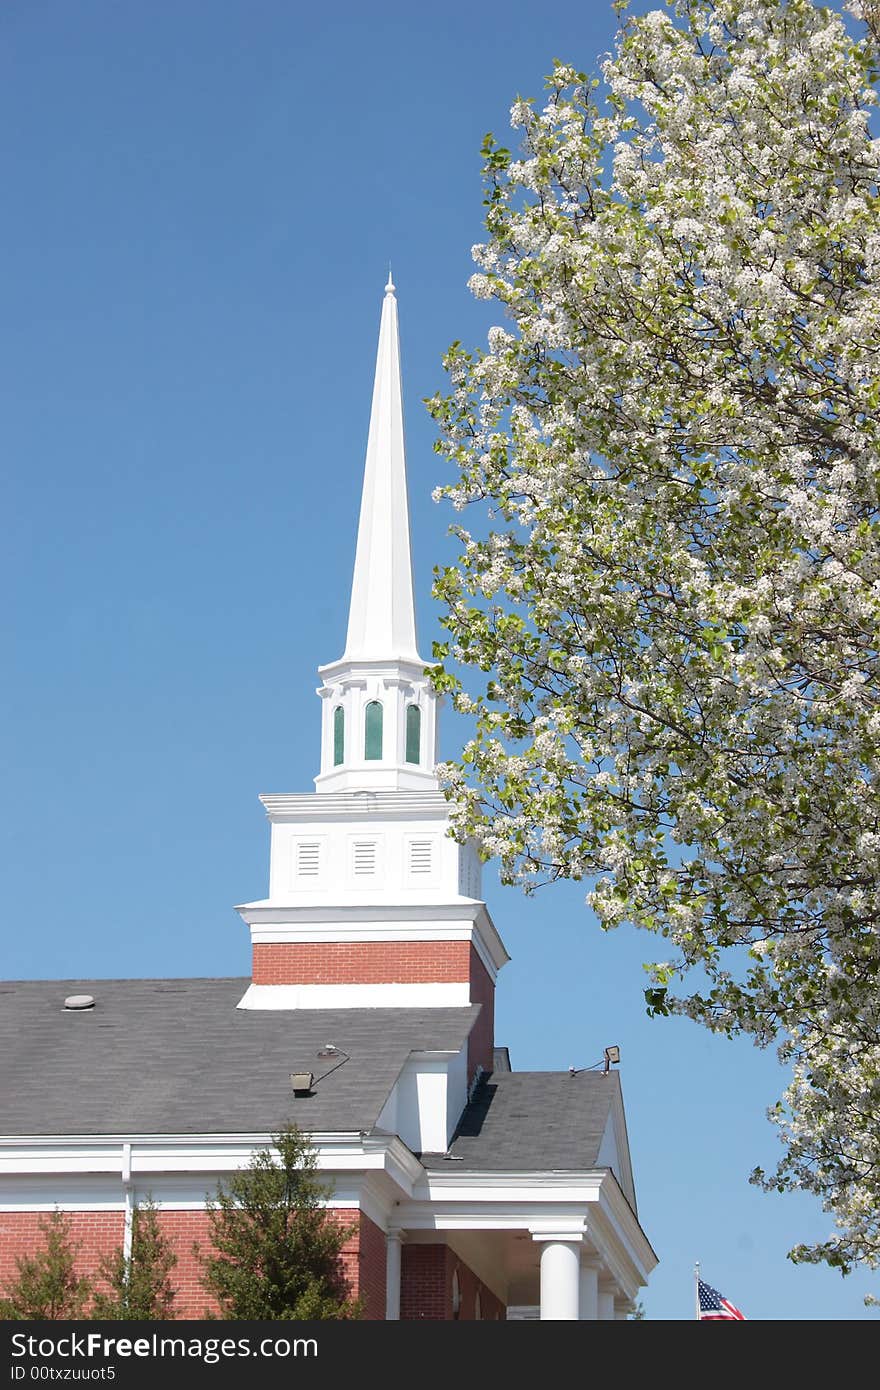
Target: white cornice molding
409, 672
458, 1184
320, 913
343, 1152
622, 1220
358, 805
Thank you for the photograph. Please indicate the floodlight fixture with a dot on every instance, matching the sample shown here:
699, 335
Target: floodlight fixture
612, 1054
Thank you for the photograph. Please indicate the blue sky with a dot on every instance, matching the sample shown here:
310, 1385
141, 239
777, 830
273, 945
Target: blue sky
201, 198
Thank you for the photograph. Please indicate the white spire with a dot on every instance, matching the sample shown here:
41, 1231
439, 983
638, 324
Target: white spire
379, 722
382, 619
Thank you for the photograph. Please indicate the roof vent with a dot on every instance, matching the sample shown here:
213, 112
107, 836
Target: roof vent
79, 1001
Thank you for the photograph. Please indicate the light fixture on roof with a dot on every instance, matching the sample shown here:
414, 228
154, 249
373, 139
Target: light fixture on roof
304, 1082
79, 1001
611, 1054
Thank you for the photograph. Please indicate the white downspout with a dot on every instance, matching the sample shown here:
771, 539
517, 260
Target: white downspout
128, 1194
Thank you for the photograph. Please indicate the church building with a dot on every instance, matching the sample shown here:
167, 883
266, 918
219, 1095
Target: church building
476, 1191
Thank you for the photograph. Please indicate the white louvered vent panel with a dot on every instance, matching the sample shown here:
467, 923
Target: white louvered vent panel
364, 858
308, 859
420, 857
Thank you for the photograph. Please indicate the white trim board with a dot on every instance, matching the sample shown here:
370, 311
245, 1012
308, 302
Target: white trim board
455, 995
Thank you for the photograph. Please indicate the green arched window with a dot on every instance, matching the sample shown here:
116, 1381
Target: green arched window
338, 736
413, 733
373, 732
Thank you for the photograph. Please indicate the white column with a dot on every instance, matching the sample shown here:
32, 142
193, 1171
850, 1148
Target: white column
589, 1289
392, 1276
560, 1280
606, 1302
621, 1308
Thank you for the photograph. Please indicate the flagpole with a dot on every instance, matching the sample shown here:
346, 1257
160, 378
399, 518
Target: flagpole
697, 1290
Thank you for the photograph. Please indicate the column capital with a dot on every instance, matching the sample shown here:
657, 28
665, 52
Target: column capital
569, 1232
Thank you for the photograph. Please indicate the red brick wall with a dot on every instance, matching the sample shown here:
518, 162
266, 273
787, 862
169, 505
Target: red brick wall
183, 1229
96, 1232
426, 1286
360, 962
101, 1233
426, 1270
371, 1269
364, 1267
490, 1306
423, 1291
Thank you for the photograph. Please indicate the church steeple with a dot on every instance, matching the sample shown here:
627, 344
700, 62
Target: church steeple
382, 616
372, 903
379, 728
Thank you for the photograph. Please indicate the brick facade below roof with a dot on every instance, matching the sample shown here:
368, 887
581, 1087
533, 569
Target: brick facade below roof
97, 1234
371, 1269
361, 962
92, 1233
426, 1270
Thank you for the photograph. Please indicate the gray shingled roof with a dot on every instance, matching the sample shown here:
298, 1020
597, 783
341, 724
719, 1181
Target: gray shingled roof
177, 1057
533, 1120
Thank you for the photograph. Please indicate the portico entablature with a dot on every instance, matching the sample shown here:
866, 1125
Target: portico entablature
586, 1208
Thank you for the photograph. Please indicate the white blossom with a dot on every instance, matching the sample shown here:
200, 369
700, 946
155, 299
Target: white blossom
675, 588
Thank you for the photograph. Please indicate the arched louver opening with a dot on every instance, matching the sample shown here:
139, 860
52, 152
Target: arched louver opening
338, 736
413, 734
373, 732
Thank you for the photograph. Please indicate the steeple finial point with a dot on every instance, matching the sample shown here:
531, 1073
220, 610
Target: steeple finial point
390, 287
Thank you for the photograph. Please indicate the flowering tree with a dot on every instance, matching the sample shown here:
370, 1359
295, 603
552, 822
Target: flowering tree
675, 435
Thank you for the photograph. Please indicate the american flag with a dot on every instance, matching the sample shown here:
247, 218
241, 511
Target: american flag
714, 1307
